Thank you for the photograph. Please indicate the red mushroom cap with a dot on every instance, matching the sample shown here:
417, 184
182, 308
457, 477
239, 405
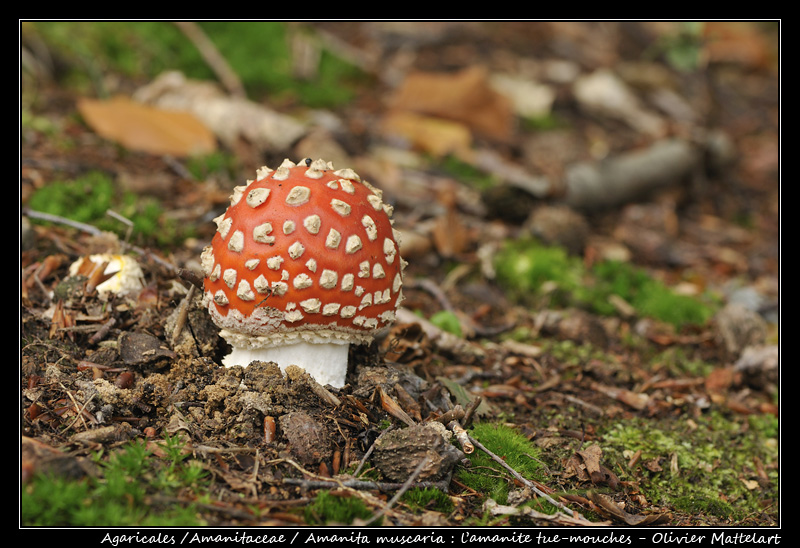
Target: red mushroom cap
303, 253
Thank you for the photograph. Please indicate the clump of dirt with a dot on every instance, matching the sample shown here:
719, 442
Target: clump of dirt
149, 366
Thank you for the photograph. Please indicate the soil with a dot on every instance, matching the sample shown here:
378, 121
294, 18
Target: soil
98, 372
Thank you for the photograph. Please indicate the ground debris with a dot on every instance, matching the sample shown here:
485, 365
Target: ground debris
308, 440
398, 453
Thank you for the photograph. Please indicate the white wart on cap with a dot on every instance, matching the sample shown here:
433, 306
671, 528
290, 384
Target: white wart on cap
304, 262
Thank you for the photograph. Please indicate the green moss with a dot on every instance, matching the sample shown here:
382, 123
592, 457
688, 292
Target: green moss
544, 122
85, 199
428, 498
219, 163
259, 52
679, 363
119, 495
329, 508
88, 198
467, 173
487, 476
707, 467
571, 353
447, 321
531, 272
523, 268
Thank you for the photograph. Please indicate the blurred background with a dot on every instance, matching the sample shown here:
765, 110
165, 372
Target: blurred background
651, 142
590, 210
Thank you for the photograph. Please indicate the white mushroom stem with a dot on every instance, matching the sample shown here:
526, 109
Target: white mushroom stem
326, 362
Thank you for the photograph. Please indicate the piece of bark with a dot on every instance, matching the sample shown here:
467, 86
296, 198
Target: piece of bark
399, 453
308, 439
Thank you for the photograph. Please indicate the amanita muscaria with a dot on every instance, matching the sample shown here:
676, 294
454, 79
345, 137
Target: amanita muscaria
304, 262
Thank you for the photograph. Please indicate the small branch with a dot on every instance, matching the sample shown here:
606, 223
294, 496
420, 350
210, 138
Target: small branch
462, 436
363, 485
183, 313
191, 277
473, 405
212, 56
83, 227
103, 331
524, 480
369, 451
403, 488
94, 231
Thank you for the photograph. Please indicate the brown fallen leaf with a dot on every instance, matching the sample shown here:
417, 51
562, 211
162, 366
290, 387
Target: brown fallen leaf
609, 508
466, 96
389, 405
436, 136
450, 235
636, 400
587, 466
147, 129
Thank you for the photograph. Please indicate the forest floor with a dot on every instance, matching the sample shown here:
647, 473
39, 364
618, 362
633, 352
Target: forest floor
616, 418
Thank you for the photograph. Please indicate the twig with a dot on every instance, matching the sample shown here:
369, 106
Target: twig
222, 450
403, 488
89, 229
524, 480
211, 55
323, 393
103, 331
558, 518
78, 409
191, 277
94, 231
362, 485
183, 313
431, 287
468, 414
124, 220
462, 436
369, 451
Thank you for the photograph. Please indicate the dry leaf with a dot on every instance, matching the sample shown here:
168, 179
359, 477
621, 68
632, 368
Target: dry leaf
466, 96
450, 235
607, 506
586, 465
435, 136
736, 42
233, 120
147, 129
635, 400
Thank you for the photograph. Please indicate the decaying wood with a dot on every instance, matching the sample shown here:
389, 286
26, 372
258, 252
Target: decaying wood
628, 176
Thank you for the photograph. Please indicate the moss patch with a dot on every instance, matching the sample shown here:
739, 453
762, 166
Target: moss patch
332, 508
549, 276
487, 476
723, 468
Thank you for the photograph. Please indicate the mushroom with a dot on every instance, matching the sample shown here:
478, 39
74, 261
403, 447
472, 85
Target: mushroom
304, 263
122, 274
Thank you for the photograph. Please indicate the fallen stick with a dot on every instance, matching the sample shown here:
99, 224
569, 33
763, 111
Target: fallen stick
532, 486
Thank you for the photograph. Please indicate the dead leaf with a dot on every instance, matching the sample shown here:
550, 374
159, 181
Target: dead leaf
736, 42
466, 96
609, 508
147, 129
586, 465
435, 136
63, 319
450, 235
720, 379
636, 400
389, 405
141, 348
